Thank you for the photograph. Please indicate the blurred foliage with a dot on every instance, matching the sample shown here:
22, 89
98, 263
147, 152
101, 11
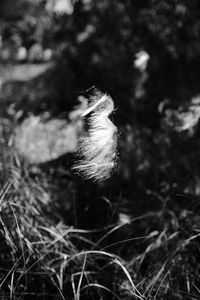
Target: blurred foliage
96, 43
100, 40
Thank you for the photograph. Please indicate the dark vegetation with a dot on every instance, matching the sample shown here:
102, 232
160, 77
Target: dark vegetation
64, 238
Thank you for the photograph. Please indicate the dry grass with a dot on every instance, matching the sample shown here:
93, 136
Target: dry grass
151, 256
40, 255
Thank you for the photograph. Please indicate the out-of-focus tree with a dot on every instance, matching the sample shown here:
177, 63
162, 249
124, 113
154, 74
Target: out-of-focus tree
23, 23
97, 43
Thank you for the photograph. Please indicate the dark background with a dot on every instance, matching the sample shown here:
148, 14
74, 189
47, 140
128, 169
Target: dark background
95, 43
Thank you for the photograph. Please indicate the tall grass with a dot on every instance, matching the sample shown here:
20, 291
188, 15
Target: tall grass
43, 255
40, 255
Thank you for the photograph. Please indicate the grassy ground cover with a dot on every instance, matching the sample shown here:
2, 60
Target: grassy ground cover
135, 236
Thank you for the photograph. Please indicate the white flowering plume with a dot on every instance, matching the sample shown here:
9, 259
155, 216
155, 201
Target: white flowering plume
97, 145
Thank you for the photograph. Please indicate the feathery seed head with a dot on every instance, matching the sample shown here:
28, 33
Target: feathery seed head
97, 145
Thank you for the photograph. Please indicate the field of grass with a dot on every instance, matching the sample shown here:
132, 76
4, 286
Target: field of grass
134, 237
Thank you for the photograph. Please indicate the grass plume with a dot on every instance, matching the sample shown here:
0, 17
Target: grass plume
97, 145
